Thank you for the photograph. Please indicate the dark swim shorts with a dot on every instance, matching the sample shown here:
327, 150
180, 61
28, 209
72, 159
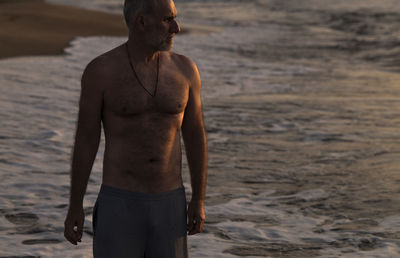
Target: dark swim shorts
139, 225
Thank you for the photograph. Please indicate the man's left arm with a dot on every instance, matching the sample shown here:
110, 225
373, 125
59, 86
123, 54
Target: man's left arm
194, 137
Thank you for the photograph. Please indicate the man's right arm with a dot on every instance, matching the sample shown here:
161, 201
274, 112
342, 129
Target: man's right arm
87, 139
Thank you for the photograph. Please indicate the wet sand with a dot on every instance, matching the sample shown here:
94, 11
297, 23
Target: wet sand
34, 27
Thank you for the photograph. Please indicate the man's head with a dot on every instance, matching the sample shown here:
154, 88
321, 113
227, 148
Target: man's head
153, 21
133, 7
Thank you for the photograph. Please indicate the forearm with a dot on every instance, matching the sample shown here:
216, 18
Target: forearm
84, 154
196, 152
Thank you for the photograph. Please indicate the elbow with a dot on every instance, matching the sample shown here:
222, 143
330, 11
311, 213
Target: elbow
193, 133
195, 137
88, 136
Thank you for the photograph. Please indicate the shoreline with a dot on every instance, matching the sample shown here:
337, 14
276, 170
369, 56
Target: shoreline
40, 28
35, 27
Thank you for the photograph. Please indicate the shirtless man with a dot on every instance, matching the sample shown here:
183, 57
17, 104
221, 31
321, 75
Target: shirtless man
143, 94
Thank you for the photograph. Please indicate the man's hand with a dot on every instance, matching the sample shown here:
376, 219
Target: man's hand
75, 217
196, 217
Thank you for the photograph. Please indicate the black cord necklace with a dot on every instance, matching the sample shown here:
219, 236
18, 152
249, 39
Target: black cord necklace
137, 77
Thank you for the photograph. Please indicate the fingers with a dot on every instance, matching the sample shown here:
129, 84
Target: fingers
73, 233
196, 217
199, 225
191, 222
70, 234
195, 225
79, 231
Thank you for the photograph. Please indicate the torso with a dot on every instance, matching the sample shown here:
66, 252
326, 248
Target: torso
142, 133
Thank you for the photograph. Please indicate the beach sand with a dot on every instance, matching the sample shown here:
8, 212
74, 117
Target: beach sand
34, 27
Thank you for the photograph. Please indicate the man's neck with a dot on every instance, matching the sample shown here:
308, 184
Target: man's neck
140, 53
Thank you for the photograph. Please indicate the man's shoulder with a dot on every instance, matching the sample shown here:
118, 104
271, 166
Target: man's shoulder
105, 64
101, 71
181, 59
187, 65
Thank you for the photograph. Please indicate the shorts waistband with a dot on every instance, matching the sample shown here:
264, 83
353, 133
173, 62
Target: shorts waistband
127, 194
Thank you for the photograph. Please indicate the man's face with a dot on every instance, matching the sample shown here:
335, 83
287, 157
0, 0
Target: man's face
162, 26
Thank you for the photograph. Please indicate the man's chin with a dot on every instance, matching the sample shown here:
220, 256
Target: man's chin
166, 47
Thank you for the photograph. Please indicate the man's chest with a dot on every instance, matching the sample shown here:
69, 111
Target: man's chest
126, 96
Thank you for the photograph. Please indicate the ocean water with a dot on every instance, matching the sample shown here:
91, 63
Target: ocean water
301, 103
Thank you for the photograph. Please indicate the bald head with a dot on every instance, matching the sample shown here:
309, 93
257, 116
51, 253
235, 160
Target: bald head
133, 7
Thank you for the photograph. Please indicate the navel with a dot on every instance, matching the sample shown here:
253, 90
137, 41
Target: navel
152, 160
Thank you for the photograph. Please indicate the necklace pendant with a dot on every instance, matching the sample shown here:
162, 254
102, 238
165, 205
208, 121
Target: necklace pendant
137, 77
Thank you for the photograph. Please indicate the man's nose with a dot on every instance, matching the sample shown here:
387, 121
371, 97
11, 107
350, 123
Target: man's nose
175, 28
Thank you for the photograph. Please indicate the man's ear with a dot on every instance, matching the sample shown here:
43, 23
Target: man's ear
140, 22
